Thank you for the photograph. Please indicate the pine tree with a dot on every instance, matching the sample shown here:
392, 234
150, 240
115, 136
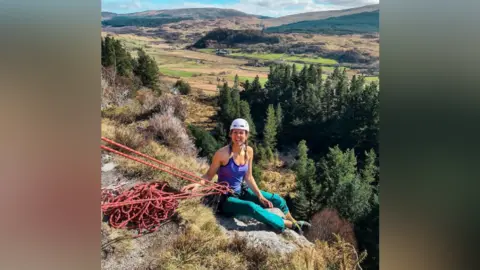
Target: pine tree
356, 84
306, 204
341, 88
123, 59
108, 59
270, 130
312, 75
329, 100
103, 51
279, 118
319, 81
245, 114
294, 75
342, 187
235, 111
204, 141
367, 232
303, 79
221, 134
257, 98
255, 92
147, 70
335, 76
246, 86
235, 82
227, 108
370, 170
308, 190
286, 79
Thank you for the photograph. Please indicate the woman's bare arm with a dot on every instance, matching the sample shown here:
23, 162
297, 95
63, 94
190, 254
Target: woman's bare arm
253, 184
216, 163
208, 176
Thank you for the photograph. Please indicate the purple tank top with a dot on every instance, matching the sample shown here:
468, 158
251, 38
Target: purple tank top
232, 174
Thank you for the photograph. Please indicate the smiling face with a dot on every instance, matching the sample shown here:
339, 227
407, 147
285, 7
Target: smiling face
239, 136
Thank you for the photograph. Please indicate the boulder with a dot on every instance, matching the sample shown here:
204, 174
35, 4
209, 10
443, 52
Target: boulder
259, 234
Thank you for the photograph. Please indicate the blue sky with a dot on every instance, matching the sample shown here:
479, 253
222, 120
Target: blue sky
273, 8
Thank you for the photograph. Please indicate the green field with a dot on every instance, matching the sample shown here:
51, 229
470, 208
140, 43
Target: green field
177, 73
372, 79
209, 50
279, 56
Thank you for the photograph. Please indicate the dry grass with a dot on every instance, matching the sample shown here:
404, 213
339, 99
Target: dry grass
124, 114
281, 183
200, 245
204, 246
134, 139
338, 255
114, 240
199, 112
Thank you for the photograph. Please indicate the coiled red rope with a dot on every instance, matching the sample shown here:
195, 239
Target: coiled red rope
146, 206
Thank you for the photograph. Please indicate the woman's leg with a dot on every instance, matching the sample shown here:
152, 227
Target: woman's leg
276, 200
236, 206
280, 203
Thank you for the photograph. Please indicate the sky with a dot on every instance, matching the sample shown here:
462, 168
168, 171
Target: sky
272, 8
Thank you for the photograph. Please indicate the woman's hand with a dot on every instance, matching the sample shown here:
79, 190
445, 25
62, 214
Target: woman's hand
191, 187
266, 202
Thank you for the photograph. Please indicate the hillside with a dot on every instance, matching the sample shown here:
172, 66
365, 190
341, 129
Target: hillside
229, 37
157, 18
194, 13
139, 21
361, 23
319, 15
108, 15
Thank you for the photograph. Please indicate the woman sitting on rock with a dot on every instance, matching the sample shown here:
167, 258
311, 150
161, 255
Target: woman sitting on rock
233, 164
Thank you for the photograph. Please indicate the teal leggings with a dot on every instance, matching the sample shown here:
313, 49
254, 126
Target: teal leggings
248, 204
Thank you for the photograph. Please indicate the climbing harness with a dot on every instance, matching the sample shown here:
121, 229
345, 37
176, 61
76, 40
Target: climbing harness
146, 206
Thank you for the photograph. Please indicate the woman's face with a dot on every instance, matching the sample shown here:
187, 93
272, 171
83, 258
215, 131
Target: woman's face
239, 136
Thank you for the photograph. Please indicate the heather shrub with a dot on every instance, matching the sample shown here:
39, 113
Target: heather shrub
327, 223
173, 103
151, 104
183, 87
169, 130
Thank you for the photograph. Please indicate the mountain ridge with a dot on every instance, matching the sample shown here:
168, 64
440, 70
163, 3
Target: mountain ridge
195, 13
319, 15
217, 13
358, 23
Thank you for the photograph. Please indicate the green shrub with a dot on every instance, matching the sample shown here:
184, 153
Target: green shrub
204, 141
183, 87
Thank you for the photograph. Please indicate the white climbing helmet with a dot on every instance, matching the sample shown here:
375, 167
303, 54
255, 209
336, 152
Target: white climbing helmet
240, 123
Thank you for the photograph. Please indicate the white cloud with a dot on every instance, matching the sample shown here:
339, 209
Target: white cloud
122, 5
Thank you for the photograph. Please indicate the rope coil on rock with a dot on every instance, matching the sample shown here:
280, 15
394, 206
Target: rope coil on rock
146, 205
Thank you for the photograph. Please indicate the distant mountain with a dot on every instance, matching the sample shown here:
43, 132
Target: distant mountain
193, 13
156, 18
319, 15
108, 15
365, 22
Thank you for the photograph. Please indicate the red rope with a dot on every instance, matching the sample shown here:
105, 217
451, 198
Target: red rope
146, 205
